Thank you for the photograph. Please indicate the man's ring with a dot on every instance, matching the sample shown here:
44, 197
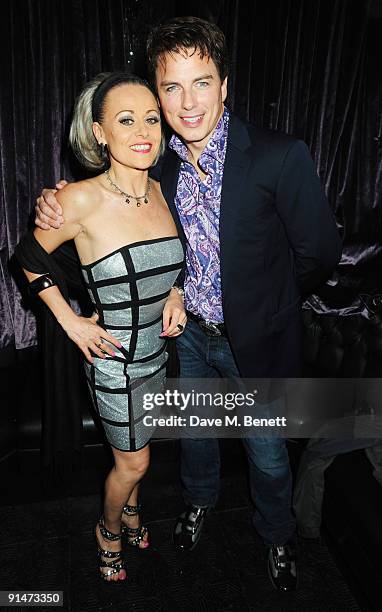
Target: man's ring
180, 327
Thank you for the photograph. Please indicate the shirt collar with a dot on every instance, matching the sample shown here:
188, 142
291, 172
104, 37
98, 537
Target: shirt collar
215, 147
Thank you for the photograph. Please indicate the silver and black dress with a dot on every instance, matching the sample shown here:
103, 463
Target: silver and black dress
129, 288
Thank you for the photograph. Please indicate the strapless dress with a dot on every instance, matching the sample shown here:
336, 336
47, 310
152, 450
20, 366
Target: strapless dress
129, 288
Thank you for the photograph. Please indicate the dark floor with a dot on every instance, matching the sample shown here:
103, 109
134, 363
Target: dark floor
50, 545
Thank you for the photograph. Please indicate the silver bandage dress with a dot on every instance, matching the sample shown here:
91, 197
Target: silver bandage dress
129, 288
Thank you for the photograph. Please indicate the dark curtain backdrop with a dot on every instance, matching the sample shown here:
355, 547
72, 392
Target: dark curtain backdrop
308, 67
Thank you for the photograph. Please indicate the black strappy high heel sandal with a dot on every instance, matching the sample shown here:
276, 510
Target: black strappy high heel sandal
117, 564
135, 535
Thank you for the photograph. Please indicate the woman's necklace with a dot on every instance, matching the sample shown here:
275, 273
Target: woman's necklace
128, 197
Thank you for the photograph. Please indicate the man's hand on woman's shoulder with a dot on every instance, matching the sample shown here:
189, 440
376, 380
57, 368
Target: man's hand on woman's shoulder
48, 210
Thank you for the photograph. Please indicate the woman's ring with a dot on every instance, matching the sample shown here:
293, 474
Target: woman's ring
180, 327
99, 344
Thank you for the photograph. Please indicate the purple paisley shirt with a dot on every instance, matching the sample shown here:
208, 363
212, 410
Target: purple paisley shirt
198, 205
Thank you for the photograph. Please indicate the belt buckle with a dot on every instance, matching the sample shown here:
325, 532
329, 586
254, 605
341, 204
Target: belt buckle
210, 328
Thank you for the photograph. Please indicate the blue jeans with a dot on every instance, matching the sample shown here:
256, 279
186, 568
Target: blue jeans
204, 356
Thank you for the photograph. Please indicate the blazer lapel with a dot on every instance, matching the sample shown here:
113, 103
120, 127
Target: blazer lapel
169, 182
236, 165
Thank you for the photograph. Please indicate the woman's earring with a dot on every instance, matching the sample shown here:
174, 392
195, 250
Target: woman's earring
104, 153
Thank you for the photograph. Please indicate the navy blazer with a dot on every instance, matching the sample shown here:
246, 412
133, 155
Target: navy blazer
278, 240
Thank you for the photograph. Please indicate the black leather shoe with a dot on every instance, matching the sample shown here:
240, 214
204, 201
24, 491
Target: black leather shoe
188, 527
282, 568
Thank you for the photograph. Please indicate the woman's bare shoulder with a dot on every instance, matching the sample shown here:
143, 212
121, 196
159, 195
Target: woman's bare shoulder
78, 199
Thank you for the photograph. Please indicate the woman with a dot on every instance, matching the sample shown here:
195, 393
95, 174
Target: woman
130, 257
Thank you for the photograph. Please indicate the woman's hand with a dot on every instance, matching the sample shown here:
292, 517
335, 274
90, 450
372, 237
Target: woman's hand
174, 315
89, 336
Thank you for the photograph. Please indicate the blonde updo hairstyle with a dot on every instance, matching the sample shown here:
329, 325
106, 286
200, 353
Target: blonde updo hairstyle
89, 107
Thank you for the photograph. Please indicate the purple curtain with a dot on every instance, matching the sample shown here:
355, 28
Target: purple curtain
308, 67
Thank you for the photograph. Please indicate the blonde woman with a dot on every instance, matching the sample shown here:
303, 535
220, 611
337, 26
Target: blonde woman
130, 257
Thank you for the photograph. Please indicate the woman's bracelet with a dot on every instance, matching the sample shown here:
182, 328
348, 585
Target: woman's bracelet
179, 290
41, 283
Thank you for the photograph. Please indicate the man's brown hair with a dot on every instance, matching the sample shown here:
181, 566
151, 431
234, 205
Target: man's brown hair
182, 34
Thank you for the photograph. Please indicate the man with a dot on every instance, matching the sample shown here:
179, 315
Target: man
259, 232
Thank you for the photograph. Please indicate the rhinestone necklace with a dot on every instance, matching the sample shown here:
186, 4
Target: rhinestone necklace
128, 196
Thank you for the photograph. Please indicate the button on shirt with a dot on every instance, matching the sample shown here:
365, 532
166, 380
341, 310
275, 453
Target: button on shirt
198, 205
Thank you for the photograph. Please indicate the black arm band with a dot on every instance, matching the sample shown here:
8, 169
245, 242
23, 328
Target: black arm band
41, 283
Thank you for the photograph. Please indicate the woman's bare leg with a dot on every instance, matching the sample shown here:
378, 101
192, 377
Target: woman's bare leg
128, 470
134, 521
